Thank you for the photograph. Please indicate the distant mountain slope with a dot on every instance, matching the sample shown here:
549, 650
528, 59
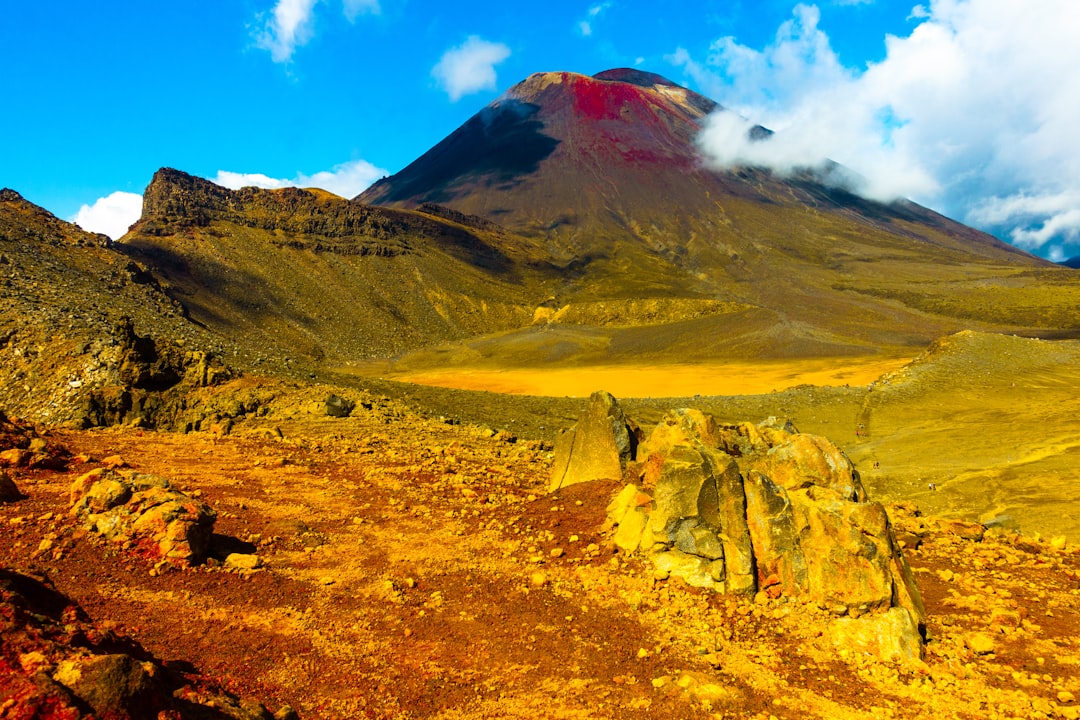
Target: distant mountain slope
328, 279
569, 223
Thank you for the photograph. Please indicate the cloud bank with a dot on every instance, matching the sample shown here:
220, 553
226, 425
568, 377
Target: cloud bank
347, 179
469, 67
111, 215
973, 113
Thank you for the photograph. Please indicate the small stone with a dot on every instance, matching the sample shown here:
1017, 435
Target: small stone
242, 561
114, 462
286, 713
1065, 697
979, 643
642, 653
327, 580
8, 491
1058, 542
538, 579
557, 552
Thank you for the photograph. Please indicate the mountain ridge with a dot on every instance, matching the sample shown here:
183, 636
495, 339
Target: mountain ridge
750, 267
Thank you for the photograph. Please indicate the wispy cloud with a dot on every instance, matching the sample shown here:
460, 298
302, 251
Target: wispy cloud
289, 26
469, 67
585, 27
347, 179
111, 215
355, 8
972, 113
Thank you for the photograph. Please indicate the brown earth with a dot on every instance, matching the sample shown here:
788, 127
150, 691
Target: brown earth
413, 568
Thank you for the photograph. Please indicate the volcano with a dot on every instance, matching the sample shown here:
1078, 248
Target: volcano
605, 173
584, 162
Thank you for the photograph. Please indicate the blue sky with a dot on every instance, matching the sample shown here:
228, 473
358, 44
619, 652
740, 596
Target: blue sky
967, 106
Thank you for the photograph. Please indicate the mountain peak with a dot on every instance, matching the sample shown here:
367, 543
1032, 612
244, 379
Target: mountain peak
634, 77
611, 95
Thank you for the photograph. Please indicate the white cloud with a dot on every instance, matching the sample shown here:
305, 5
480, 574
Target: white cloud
347, 179
584, 27
973, 113
290, 24
469, 67
288, 27
354, 8
111, 215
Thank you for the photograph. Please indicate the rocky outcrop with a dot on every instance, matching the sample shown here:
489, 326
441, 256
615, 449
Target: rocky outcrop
744, 508
597, 448
175, 200
144, 370
23, 445
145, 511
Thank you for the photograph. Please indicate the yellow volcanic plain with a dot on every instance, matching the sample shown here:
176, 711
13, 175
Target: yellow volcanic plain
674, 380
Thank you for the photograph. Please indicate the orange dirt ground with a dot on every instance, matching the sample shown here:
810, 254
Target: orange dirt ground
414, 569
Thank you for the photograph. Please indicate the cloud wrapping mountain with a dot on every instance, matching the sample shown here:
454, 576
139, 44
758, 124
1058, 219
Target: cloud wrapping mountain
973, 113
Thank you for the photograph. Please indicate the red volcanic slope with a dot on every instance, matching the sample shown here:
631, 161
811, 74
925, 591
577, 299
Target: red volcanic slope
559, 147
583, 162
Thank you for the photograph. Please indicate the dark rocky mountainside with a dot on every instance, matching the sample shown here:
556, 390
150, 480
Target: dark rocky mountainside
88, 334
568, 157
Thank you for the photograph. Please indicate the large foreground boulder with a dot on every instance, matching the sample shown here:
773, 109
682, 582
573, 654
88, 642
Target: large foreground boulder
127, 506
597, 448
744, 508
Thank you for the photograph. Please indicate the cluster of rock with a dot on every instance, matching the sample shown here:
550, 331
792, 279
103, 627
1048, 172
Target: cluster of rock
745, 508
145, 510
23, 445
61, 665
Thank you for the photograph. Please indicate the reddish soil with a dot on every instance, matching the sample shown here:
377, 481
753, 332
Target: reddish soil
417, 569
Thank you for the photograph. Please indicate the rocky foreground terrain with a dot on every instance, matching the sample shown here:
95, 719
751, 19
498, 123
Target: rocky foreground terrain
383, 564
